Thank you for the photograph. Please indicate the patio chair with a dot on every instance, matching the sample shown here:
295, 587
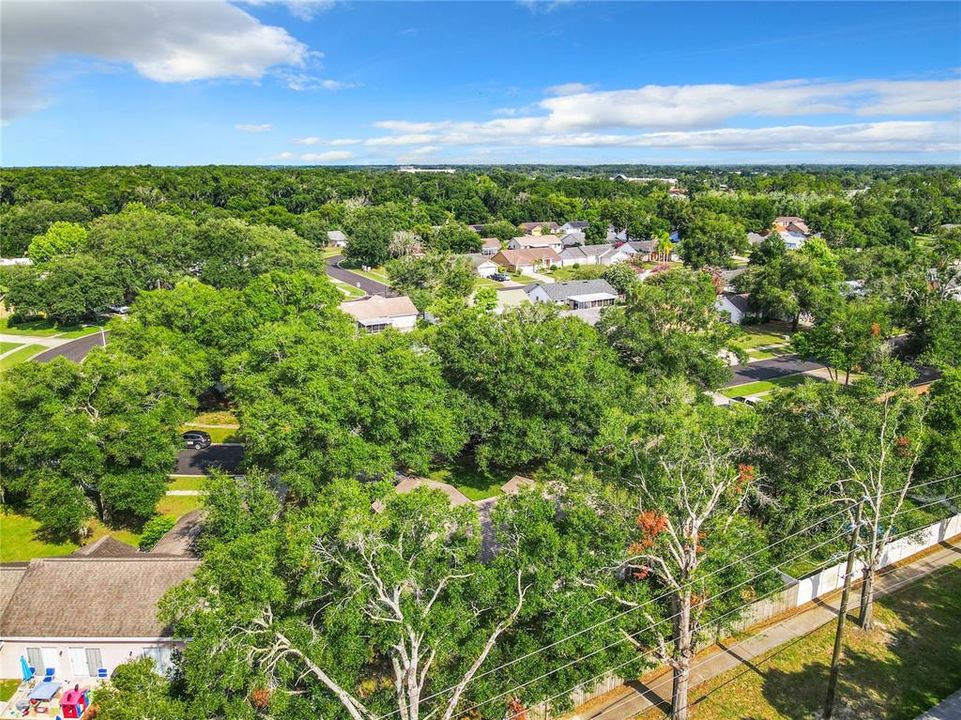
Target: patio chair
102, 672
48, 674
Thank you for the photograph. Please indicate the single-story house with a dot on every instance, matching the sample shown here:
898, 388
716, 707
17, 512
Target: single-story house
88, 611
529, 260
483, 265
648, 251
791, 223
477, 227
575, 294
735, 305
605, 254
613, 236
754, 239
336, 238
490, 246
525, 242
574, 237
376, 313
539, 228
573, 226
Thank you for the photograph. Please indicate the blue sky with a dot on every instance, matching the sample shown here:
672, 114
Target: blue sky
170, 83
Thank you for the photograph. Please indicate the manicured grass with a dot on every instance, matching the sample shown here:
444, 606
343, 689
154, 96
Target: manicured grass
471, 481
215, 417
523, 279
18, 356
483, 282
760, 336
8, 688
19, 541
177, 505
186, 483
763, 386
767, 354
45, 328
376, 274
8, 346
350, 292
585, 272
331, 251
905, 666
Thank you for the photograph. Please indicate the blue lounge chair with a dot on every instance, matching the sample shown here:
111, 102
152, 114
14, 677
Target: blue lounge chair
102, 672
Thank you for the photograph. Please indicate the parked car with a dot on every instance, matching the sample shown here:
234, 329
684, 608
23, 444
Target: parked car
196, 439
500, 277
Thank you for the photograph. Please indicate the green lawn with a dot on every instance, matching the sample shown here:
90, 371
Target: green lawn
755, 354
186, 483
762, 386
471, 481
376, 274
8, 688
350, 292
8, 346
523, 279
331, 251
585, 272
483, 282
177, 505
45, 328
760, 336
18, 356
905, 666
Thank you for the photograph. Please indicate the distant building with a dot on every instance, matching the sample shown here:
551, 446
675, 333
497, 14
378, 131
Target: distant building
735, 305
336, 238
605, 254
574, 294
539, 228
412, 169
574, 226
490, 246
376, 313
525, 242
572, 238
482, 264
529, 260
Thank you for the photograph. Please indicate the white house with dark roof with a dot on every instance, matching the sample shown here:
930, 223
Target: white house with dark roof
574, 294
336, 238
376, 313
734, 305
482, 264
94, 609
574, 237
573, 226
605, 254
535, 242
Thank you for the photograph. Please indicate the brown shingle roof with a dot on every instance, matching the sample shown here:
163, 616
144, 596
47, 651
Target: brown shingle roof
93, 597
106, 547
10, 576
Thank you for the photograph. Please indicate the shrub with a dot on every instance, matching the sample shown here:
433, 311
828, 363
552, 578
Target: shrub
154, 529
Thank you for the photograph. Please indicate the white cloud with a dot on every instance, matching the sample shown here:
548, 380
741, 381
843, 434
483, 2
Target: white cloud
253, 128
284, 156
412, 139
339, 142
330, 156
573, 88
905, 116
166, 42
308, 141
301, 9
305, 81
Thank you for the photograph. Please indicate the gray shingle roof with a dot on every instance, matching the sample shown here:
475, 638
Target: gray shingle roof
559, 292
107, 547
93, 597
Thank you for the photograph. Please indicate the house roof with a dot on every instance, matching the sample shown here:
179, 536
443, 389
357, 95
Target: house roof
490, 243
538, 223
738, 300
375, 307
93, 597
537, 240
527, 256
755, 238
477, 259
561, 291
10, 576
336, 236
575, 237
577, 224
106, 547
585, 251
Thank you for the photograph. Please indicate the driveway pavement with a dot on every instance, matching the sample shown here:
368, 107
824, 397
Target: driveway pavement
768, 369
198, 462
75, 350
371, 287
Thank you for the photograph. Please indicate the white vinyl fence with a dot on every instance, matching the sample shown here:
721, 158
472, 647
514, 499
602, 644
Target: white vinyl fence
795, 594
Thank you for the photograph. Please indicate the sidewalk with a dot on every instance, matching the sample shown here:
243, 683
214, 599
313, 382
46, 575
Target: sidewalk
631, 700
947, 709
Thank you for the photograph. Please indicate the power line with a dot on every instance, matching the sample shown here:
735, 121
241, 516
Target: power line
715, 621
654, 599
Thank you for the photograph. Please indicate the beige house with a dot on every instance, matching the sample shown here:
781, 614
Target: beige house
539, 227
376, 313
88, 612
527, 242
528, 260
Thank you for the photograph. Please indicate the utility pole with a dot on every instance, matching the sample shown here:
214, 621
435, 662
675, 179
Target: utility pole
839, 635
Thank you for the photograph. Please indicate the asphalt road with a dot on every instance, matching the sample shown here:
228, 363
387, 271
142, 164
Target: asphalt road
198, 462
371, 287
76, 350
767, 369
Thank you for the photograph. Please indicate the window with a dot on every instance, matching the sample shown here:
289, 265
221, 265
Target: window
160, 657
35, 659
94, 660
78, 661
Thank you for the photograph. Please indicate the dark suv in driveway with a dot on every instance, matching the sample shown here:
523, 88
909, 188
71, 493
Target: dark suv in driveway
196, 439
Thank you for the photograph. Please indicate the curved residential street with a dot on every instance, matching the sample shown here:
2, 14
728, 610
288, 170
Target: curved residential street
371, 287
75, 350
769, 369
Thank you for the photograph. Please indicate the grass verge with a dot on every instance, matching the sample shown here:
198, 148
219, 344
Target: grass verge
763, 386
19, 356
905, 666
8, 346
